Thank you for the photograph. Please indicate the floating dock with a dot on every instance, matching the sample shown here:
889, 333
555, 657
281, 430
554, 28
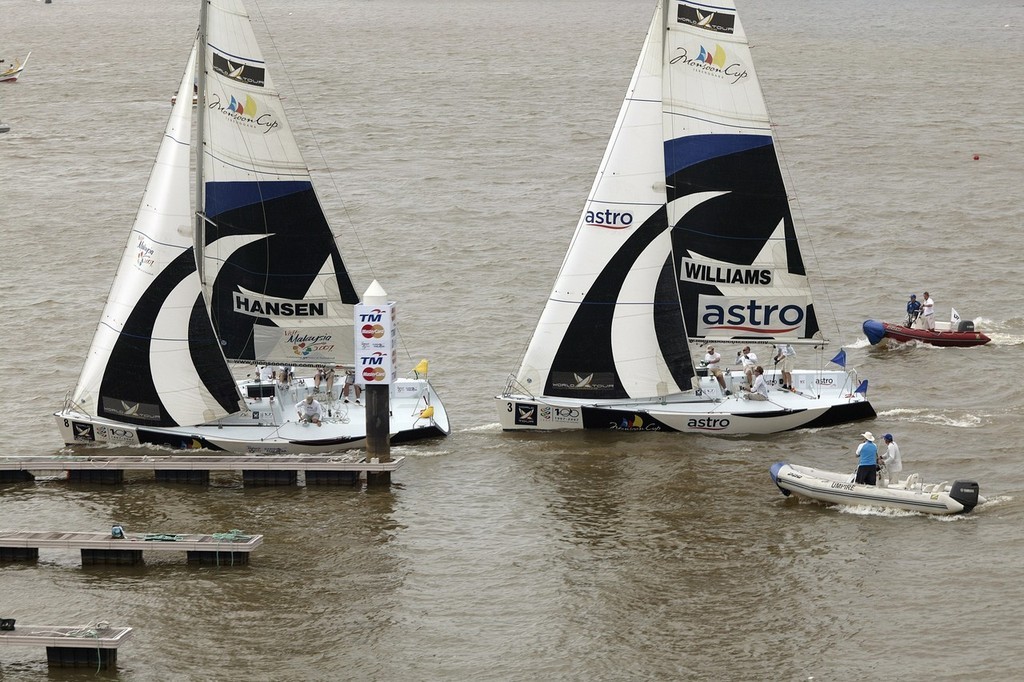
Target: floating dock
92, 646
257, 470
219, 549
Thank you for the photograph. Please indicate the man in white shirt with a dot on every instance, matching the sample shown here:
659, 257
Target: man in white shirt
309, 410
891, 460
760, 389
713, 361
928, 312
749, 362
784, 355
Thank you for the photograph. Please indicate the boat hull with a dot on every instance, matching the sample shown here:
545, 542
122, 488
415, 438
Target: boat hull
839, 488
876, 331
270, 426
821, 399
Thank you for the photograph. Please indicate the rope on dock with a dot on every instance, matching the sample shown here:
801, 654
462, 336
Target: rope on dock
163, 537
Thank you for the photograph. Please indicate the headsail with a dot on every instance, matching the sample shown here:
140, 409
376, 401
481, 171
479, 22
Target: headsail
612, 326
155, 360
279, 291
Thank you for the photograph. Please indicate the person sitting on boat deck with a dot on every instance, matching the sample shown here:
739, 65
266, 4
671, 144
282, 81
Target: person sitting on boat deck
309, 410
913, 310
759, 391
784, 355
928, 311
892, 463
867, 465
713, 361
350, 383
266, 373
284, 374
749, 362
325, 373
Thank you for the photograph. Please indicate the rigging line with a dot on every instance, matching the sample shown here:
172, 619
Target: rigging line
797, 208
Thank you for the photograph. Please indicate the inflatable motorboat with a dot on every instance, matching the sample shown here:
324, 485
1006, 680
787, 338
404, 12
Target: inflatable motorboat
911, 494
964, 335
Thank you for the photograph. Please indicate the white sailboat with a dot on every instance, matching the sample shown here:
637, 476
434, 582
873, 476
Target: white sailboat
686, 240
251, 277
9, 71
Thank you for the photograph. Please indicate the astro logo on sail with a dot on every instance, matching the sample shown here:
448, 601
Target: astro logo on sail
722, 315
615, 220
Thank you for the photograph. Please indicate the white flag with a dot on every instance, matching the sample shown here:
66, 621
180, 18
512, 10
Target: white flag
954, 319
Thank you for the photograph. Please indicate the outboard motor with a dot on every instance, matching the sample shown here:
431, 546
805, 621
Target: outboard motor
966, 493
965, 326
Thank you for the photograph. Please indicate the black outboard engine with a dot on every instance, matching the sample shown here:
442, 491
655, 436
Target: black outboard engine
966, 493
965, 326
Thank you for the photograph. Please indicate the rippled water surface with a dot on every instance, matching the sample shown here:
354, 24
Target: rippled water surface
454, 142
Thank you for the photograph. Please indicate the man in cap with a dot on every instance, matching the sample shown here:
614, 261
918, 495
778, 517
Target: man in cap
913, 310
891, 460
713, 361
867, 464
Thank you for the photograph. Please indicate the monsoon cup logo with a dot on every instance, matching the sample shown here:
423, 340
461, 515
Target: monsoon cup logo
710, 62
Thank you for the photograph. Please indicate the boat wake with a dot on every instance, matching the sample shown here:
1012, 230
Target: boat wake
966, 421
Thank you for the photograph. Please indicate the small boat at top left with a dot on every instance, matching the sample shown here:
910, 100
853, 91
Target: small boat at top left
9, 71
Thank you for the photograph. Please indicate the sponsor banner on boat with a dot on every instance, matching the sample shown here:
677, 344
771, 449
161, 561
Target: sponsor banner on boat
774, 316
717, 273
608, 218
376, 331
302, 345
702, 17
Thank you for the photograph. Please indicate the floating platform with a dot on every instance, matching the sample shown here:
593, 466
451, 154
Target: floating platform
257, 470
92, 646
220, 549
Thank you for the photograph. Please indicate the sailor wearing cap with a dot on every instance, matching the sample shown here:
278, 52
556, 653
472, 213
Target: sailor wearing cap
867, 465
891, 460
913, 310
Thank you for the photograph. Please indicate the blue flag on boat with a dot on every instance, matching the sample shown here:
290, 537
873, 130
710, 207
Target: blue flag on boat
840, 358
863, 388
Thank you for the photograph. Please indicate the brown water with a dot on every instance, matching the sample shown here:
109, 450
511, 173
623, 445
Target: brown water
455, 141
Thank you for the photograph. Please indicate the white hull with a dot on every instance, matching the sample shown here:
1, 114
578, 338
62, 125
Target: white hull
270, 425
909, 494
821, 399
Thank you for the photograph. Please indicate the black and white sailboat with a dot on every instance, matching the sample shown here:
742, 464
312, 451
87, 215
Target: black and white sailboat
251, 276
686, 240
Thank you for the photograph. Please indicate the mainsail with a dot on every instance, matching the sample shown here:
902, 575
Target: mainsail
686, 234
155, 359
278, 288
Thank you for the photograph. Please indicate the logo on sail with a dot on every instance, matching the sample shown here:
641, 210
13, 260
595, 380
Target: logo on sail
711, 62
264, 306
243, 112
720, 22
145, 256
583, 381
732, 316
616, 220
250, 74
692, 271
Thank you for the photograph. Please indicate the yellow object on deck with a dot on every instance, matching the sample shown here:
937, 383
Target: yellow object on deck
427, 412
421, 369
